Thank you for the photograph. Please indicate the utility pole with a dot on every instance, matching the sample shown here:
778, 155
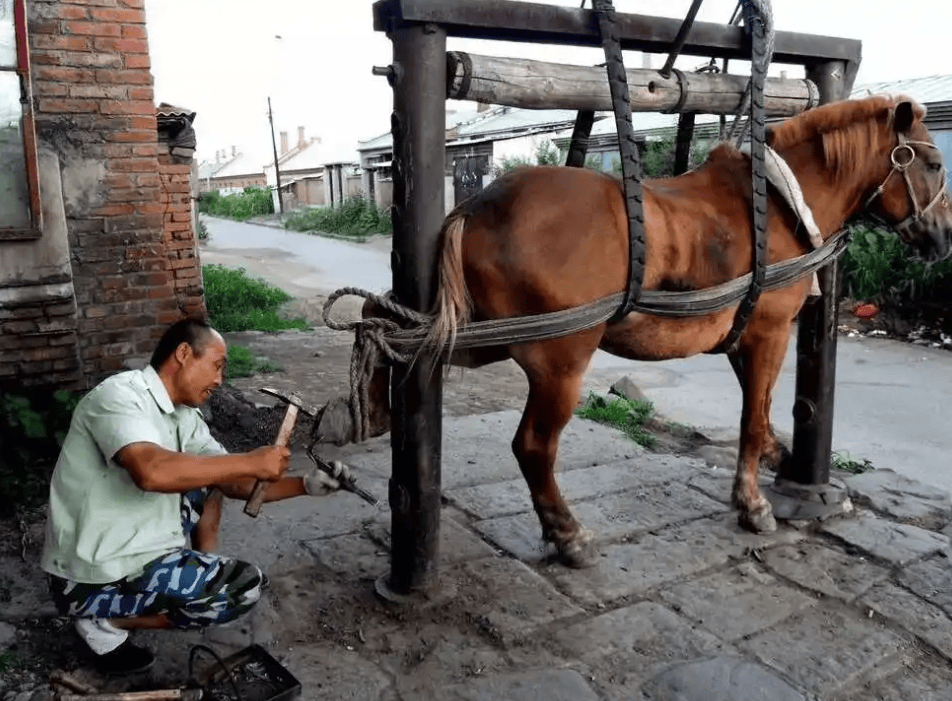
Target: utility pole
277, 172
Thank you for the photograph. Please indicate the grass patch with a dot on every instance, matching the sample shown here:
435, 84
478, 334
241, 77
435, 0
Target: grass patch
355, 217
845, 462
627, 415
237, 302
254, 201
242, 362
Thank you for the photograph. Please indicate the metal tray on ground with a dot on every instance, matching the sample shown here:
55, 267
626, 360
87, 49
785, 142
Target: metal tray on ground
255, 673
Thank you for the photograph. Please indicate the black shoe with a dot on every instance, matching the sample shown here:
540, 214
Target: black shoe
125, 659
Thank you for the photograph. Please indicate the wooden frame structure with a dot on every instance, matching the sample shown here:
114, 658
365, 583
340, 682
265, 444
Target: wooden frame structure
421, 81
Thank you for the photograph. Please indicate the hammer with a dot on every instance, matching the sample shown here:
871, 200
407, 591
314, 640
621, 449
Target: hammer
295, 404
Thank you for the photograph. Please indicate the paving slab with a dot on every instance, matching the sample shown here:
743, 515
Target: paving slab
822, 648
901, 498
535, 685
717, 483
512, 496
720, 678
628, 646
735, 603
457, 542
327, 673
825, 570
918, 617
633, 569
896, 543
931, 580
922, 677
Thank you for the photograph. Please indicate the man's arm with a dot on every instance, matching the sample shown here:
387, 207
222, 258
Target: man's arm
157, 469
284, 488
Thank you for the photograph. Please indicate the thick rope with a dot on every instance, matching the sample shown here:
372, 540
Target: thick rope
377, 339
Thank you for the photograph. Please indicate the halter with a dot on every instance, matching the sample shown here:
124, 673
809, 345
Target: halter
903, 156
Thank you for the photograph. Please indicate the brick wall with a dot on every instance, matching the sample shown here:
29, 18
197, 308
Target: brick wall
128, 239
178, 233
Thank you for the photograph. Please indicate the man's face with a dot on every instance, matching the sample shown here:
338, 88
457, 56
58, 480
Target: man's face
202, 372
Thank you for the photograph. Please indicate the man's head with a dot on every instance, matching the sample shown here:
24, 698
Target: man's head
190, 359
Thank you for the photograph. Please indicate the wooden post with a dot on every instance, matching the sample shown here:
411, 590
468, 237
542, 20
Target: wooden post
419, 154
801, 488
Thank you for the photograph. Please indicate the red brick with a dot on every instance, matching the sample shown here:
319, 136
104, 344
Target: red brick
119, 16
142, 94
138, 61
134, 31
133, 137
131, 165
46, 27
66, 105
48, 89
132, 3
161, 292
57, 10
64, 74
96, 29
86, 59
124, 77
112, 92
61, 43
122, 46
140, 107
148, 180
139, 122
187, 273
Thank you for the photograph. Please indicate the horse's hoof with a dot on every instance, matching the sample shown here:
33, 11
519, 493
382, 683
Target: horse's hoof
758, 521
579, 552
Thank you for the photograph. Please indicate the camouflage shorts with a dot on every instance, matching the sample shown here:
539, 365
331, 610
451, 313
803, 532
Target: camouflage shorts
191, 588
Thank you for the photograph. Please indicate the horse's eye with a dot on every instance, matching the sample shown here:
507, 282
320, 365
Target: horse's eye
934, 167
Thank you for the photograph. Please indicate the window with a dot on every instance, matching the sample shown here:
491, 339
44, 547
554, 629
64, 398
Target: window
19, 177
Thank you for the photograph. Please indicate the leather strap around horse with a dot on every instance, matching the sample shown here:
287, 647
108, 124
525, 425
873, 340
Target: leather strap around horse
630, 158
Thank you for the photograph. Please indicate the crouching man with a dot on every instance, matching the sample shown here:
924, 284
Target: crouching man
136, 499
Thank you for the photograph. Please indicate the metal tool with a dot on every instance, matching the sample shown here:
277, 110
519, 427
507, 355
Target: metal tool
295, 404
348, 485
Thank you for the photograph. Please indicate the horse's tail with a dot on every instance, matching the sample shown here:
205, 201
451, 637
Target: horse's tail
453, 305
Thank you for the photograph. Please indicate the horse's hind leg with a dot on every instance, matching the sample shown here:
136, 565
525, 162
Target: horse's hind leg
762, 352
555, 369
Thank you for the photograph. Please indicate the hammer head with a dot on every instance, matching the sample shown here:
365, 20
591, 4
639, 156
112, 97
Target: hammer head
290, 398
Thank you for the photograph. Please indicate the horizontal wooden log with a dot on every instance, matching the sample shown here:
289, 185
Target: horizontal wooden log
517, 82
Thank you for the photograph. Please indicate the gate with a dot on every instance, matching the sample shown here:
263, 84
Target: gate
423, 76
468, 172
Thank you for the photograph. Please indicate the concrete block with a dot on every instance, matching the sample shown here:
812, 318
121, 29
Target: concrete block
720, 678
457, 542
920, 678
512, 496
735, 603
327, 671
825, 647
901, 498
920, 618
625, 647
931, 580
633, 569
534, 685
824, 570
896, 543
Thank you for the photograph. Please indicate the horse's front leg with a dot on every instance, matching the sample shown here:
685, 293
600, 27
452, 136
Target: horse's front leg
555, 370
761, 353
774, 452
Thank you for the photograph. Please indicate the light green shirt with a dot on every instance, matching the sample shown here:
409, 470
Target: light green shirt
101, 526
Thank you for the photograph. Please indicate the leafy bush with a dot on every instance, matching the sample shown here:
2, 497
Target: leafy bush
547, 154
627, 415
878, 266
243, 363
355, 217
657, 156
237, 302
33, 426
254, 201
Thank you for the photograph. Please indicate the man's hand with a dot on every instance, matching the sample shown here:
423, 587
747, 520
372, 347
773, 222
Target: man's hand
270, 462
318, 483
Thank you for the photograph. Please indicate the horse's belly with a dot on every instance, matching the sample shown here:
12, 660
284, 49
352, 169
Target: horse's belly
647, 337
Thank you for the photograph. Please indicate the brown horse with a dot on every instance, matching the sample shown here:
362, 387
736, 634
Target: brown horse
549, 238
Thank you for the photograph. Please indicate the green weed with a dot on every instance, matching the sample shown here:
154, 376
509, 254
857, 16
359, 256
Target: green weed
625, 414
254, 201
242, 362
237, 302
843, 461
355, 217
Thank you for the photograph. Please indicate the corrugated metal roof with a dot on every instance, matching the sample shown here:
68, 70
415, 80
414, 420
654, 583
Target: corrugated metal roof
316, 155
386, 140
933, 88
239, 165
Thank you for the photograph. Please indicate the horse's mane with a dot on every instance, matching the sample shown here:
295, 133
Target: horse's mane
850, 130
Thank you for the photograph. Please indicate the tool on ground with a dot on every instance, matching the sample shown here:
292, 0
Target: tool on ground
60, 678
153, 695
295, 404
348, 484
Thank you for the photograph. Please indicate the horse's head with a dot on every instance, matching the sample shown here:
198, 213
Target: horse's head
914, 198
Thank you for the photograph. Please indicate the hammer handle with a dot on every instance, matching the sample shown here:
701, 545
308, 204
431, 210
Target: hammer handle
253, 505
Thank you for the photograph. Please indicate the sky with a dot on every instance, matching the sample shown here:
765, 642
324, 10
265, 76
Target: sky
223, 59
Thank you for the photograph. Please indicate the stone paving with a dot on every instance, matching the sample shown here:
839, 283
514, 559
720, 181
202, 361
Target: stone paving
681, 604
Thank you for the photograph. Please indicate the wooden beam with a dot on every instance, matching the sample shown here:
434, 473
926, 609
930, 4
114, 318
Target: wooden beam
540, 85
506, 20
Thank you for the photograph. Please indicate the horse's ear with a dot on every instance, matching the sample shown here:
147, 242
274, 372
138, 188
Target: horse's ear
905, 116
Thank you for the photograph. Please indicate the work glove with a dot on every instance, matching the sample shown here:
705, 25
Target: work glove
318, 483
